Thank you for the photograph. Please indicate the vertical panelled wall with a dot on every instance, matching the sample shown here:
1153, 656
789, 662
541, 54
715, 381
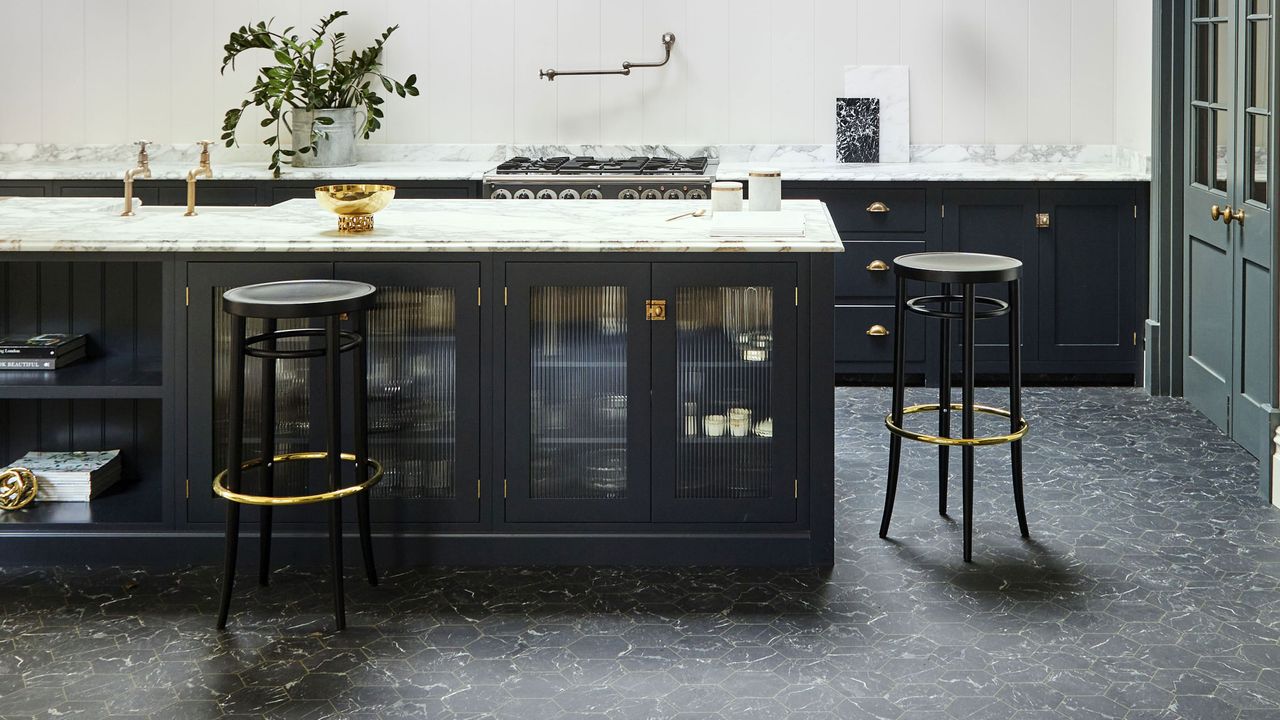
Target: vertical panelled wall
744, 71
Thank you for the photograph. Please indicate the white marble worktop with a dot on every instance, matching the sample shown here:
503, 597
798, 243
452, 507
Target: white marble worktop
86, 225
930, 163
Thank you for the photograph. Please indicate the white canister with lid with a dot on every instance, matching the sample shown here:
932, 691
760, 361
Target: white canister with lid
765, 185
726, 197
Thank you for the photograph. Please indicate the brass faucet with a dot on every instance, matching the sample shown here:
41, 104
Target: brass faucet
204, 171
143, 170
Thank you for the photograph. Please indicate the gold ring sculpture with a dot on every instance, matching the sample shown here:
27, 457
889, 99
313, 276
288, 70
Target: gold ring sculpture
962, 442
18, 488
220, 482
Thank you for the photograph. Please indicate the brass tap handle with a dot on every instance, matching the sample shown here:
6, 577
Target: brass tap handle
1215, 212
143, 159
1226, 215
877, 207
877, 331
204, 151
877, 266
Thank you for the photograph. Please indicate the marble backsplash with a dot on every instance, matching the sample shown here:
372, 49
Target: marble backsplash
124, 154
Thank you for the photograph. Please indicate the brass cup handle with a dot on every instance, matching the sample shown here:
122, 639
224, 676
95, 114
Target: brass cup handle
1215, 212
877, 331
877, 266
877, 207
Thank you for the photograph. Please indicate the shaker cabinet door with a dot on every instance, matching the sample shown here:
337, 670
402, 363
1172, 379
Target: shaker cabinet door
725, 393
577, 389
424, 389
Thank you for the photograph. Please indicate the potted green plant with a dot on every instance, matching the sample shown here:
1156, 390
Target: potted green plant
315, 102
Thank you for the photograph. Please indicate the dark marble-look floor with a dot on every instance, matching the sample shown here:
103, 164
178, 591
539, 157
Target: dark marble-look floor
1151, 589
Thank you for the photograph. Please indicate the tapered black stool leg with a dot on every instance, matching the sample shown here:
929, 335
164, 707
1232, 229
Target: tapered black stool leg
268, 438
333, 446
235, 443
1015, 400
968, 432
361, 425
899, 392
944, 409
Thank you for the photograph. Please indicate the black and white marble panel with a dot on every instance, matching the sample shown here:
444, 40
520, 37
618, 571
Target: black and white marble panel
858, 130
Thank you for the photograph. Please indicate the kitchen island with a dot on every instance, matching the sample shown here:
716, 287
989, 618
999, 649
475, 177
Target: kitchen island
555, 383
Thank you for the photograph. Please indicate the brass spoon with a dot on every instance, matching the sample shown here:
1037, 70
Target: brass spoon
695, 213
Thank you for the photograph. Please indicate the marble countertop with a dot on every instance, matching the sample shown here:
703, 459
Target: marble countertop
930, 163
89, 225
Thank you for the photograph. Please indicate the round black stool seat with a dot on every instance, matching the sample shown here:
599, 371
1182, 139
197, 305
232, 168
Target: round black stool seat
957, 267
299, 298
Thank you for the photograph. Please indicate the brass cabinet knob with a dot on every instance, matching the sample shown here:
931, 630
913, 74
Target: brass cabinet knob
1226, 215
1215, 212
877, 266
877, 331
877, 207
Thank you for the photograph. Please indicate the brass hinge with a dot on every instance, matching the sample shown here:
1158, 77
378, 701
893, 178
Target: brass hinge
797, 297
478, 296
655, 309
1135, 339
1135, 212
477, 488
188, 487
504, 297
187, 292
1042, 220
504, 487
796, 494
944, 210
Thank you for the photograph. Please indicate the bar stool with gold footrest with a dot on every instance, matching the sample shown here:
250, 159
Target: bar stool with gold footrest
271, 302
965, 270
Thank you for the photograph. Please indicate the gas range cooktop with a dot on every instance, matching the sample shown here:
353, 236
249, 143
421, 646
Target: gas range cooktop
590, 178
587, 165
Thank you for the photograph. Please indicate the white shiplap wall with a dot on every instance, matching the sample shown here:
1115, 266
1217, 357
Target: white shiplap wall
744, 71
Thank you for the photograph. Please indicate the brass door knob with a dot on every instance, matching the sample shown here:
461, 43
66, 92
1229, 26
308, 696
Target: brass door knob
1226, 215
1215, 212
877, 207
877, 266
877, 331
1239, 216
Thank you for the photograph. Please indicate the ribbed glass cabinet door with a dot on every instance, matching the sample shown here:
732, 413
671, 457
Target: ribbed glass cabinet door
577, 393
424, 395
725, 393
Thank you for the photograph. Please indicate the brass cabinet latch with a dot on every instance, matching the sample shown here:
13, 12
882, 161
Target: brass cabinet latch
655, 309
1042, 220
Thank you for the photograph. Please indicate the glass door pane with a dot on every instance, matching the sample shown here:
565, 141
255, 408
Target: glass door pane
1211, 60
724, 343
578, 356
1259, 71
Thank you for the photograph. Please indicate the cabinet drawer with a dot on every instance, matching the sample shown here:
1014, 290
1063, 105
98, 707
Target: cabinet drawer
854, 279
907, 208
853, 344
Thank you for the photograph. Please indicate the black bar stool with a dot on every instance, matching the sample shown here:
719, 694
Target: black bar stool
965, 270
271, 302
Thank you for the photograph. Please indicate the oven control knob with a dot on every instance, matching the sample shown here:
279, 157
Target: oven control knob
524, 194
696, 194
673, 194
569, 194
628, 194
547, 194
650, 194
591, 194
500, 194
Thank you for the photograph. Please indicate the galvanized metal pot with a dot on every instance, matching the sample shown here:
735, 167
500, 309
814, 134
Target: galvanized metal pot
334, 144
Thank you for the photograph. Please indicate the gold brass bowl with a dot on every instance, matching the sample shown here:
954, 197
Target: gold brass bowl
355, 204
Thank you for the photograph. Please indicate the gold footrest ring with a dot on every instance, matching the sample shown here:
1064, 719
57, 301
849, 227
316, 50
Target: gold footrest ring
962, 442
220, 481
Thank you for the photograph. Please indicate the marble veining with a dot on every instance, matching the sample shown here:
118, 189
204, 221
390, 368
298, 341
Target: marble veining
858, 129
1149, 591
472, 162
73, 224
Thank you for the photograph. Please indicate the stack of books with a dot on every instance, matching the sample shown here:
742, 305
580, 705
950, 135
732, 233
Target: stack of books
71, 476
41, 352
